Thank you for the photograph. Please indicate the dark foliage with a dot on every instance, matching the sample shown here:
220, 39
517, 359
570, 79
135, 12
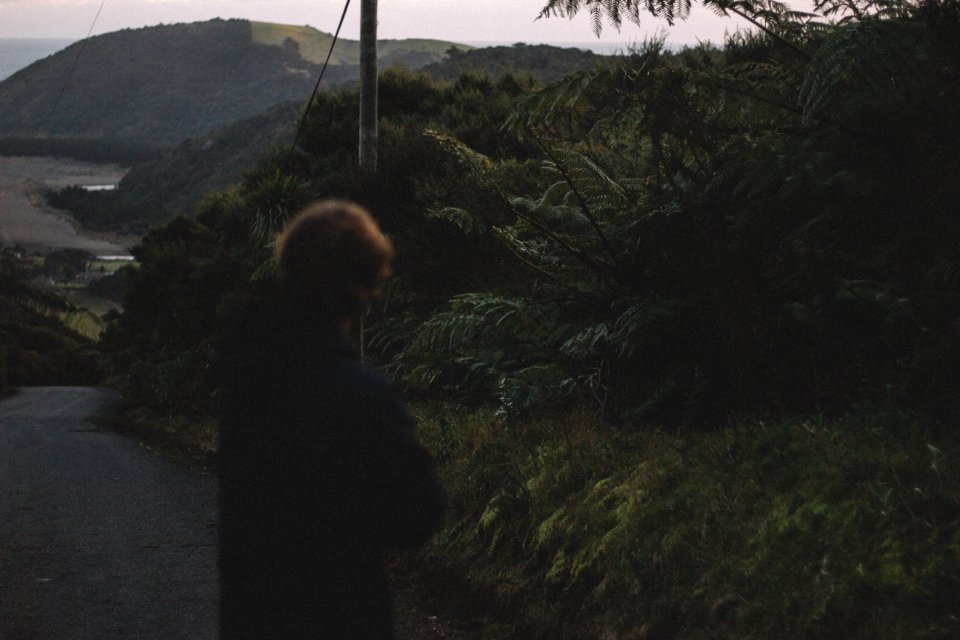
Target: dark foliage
112, 286
684, 238
749, 233
163, 342
544, 62
104, 210
188, 268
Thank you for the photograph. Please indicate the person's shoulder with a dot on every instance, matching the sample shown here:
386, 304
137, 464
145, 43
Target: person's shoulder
369, 383
246, 317
365, 388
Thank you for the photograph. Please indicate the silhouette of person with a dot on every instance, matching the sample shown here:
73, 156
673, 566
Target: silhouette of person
320, 471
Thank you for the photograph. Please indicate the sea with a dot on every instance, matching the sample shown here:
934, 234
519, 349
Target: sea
17, 53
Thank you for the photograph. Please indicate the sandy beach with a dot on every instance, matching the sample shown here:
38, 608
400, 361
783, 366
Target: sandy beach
25, 219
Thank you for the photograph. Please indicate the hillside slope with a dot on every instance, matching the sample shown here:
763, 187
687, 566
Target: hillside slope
177, 179
181, 177
162, 85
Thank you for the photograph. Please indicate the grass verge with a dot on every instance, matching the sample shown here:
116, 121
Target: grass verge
192, 441
568, 529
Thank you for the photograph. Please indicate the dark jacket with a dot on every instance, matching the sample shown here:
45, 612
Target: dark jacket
320, 474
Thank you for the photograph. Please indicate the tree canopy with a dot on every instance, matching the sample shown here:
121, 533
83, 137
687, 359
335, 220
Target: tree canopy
766, 228
701, 311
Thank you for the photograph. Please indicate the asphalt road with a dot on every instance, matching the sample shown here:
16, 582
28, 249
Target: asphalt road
99, 537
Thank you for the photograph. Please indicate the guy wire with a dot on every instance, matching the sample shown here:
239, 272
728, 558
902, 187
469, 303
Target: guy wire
76, 60
63, 87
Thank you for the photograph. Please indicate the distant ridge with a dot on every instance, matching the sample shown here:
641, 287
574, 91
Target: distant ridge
162, 85
545, 62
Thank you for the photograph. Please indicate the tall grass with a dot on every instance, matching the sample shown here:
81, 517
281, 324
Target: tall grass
570, 529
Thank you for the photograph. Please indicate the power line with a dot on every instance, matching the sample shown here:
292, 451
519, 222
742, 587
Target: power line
76, 60
316, 88
66, 81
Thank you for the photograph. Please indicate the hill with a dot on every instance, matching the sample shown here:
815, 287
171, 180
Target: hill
181, 177
178, 178
545, 62
174, 180
164, 84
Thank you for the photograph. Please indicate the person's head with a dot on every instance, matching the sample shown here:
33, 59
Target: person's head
332, 259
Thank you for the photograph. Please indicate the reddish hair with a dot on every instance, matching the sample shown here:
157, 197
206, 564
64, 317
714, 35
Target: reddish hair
332, 258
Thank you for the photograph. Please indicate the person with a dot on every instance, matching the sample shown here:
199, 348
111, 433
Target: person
320, 471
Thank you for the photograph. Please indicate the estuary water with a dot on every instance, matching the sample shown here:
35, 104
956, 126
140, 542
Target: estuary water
27, 221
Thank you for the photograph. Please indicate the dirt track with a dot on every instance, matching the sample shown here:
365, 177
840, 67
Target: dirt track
26, 221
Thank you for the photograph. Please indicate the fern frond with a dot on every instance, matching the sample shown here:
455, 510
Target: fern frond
869, 57
644, 322
533, 250
564, 98
467, 222
612, 10
590, 178
458, 152
587, 342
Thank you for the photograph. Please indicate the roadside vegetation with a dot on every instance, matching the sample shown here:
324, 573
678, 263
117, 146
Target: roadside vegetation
566, 528
682, 329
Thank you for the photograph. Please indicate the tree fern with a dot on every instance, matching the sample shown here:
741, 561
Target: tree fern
616, 11
274, 200
464, 220
872, 57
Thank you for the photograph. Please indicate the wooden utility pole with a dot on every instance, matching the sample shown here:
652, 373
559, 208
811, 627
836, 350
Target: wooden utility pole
368, 86
368, 108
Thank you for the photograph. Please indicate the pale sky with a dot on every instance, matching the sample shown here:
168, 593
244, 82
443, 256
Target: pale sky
457, 20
